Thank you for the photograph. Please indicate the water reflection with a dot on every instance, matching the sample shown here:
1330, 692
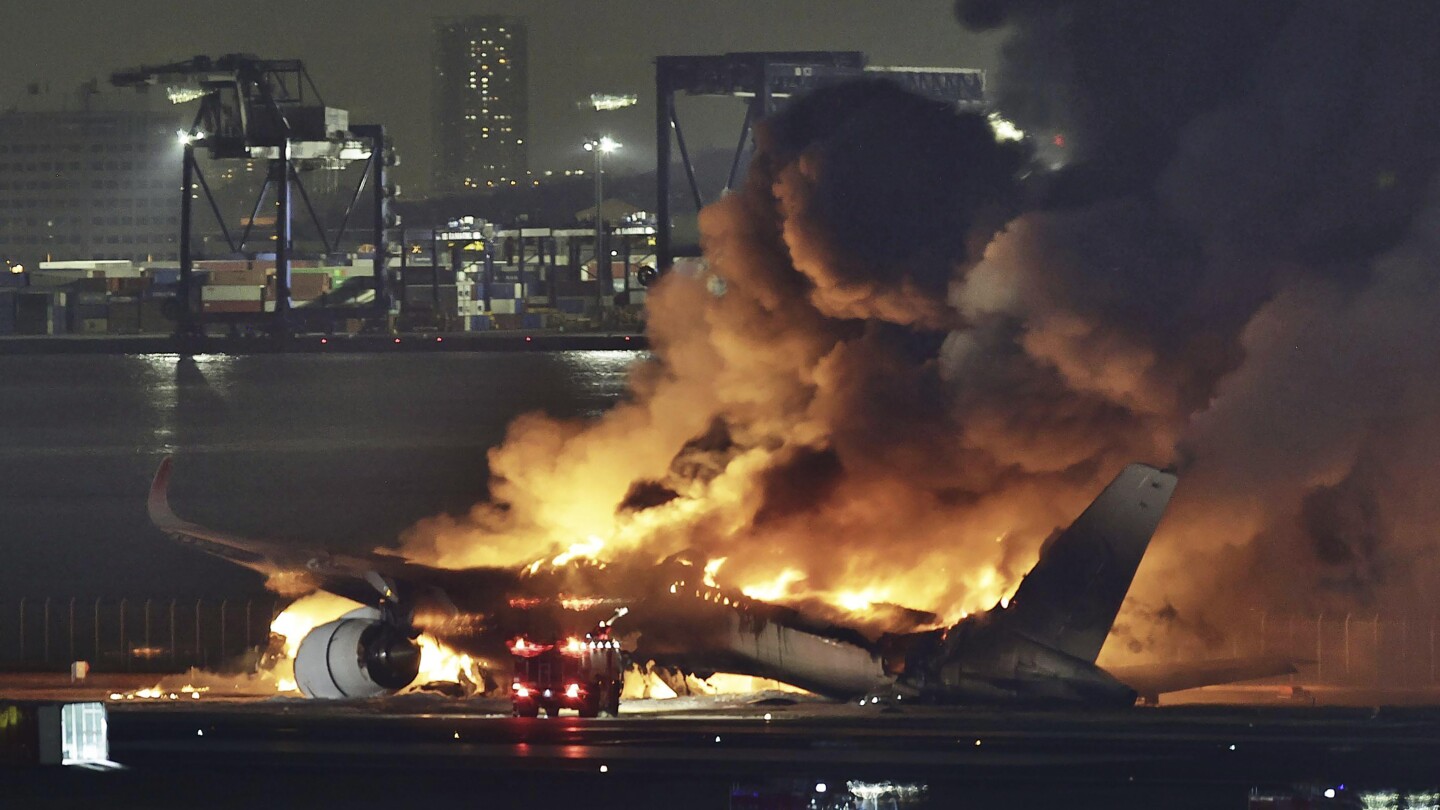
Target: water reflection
602, 373
1342, 797
1400, 800
854, 794
183, 390
823, 794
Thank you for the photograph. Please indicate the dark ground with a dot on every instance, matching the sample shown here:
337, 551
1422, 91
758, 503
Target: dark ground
291, 754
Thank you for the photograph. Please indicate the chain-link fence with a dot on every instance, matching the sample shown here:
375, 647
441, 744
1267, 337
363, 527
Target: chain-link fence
1366, 650
130, 634
1363, 650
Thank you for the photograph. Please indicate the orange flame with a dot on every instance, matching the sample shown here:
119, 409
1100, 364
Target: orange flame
438, 662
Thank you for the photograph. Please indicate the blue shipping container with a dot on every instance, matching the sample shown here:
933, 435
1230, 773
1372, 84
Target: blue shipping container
571, 306
479, 323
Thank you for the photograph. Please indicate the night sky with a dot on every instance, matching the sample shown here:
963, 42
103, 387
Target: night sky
374, 58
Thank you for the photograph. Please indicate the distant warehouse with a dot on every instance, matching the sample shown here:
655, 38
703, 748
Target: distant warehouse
88, 176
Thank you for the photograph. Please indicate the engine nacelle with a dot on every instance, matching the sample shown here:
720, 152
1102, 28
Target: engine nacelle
356, 656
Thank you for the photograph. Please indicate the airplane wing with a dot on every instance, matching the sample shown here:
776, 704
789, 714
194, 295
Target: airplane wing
256, 555
1150, 680
363, 577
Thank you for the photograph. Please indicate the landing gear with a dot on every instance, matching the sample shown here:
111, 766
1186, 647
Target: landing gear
603, 698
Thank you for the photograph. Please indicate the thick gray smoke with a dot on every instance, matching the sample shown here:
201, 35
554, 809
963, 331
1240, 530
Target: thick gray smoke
1241, 260
866, 398
794, 421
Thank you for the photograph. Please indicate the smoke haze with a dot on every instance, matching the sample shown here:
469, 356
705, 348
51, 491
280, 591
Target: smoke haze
893, 379
1255, 288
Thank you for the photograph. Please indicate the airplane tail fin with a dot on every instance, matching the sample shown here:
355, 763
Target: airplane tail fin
1069, 600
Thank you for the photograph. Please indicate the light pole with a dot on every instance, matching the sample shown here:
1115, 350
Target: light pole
600, 146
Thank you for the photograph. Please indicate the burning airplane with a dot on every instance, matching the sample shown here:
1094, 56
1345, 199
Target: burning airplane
854, 409
1039, 646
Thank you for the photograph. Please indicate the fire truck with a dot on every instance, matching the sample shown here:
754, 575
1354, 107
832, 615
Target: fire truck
584, 674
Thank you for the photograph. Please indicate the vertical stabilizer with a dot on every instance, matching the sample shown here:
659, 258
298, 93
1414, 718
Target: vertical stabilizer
1070, 598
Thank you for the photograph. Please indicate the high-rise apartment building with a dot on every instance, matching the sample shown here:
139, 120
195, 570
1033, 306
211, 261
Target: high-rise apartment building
481, 103
98, 181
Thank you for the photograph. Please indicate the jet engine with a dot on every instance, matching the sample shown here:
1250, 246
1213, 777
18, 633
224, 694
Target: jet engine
356, 656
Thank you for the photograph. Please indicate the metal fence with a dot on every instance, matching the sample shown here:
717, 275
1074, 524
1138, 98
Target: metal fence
172, 634
1347, 649
130, 634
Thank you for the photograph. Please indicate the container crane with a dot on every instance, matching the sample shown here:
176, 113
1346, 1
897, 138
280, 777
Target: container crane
269, 109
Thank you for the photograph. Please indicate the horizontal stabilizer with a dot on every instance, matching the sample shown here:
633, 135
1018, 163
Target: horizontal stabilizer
1157, 679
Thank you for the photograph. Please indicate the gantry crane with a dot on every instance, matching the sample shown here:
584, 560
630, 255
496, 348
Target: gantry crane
269, 109
763, 79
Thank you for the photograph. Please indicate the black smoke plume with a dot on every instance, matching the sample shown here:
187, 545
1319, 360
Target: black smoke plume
1238, 253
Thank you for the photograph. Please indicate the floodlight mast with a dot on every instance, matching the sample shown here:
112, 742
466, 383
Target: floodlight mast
601, 145
268, 109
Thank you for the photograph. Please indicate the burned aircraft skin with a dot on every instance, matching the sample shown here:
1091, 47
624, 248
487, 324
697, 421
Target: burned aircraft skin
1042, 645
1041, 648
708, 629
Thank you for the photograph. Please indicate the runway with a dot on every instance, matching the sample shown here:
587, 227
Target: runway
409, 751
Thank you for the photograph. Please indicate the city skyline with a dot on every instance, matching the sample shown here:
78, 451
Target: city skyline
375, 59
480, 103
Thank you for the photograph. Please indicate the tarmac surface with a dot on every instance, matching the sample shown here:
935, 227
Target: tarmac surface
767, 750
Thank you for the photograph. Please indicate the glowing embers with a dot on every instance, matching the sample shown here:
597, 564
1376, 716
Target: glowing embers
588, 549
158, 692
719, 597
775, 589
583, 603
861, 601
526, 648
712, 567
585, 552
651, 682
